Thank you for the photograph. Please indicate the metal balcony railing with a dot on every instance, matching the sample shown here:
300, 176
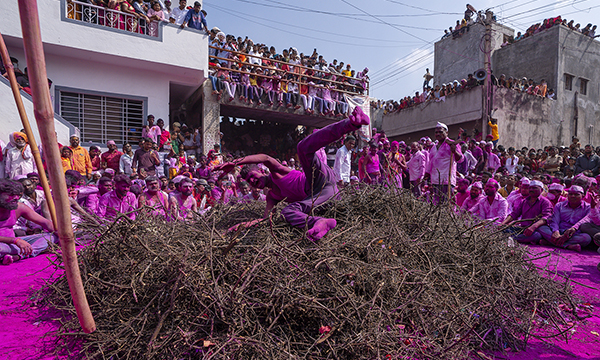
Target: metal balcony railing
110, 18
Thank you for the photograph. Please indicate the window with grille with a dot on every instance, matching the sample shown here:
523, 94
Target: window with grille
103, 118
569, 82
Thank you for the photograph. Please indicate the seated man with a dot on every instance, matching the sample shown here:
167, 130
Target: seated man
182, 204
493, 206
563, 226
33, 198
590, 224
555, 194
302, 190
15, 248
533, 206
154, 197
119, 200
474, 196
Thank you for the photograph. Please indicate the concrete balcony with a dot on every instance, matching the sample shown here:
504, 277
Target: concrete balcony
66, 31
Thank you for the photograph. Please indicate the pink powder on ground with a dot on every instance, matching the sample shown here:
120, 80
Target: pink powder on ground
24, 325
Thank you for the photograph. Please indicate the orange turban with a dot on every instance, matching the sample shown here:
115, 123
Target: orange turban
20, 134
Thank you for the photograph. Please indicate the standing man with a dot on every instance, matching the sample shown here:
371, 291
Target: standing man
19, 159
427, 78
343, 161
493, 206
303, 190
441, 169
146, 159
178, 14
195, 19
553, 162
165, 136
151, 131
82, 163
111, 159
416, 167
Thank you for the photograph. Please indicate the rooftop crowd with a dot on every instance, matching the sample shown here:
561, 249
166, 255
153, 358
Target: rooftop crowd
439, 93
588, 30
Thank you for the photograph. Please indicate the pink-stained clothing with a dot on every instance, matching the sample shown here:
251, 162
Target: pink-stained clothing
292, 187
469, 203
250, 197
439, 164
493, 161
497, 210
592, 217
556, 200
460, 198
153, 133
160, 204
417, 165
514, 198
111, 205
184, 207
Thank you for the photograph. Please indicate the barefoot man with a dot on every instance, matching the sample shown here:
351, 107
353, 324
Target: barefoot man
303, 190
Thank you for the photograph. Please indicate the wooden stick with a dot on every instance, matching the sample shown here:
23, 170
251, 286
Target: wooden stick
44, 116
32, 143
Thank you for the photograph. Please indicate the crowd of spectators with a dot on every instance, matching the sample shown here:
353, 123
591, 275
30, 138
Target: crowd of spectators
588, 30
255, 73
441, 92
169, 176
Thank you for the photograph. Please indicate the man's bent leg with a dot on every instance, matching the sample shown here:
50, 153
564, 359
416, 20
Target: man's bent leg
39, 242
579, 238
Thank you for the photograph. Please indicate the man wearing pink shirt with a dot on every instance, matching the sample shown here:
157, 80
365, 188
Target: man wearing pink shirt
555, 194
493, 206
441, 168
461, 191
474, 198
119, 200
416, 167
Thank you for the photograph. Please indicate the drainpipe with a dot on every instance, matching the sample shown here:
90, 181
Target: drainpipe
575, 113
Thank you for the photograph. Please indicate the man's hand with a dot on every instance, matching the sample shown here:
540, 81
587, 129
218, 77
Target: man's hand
358, 117
555, 236
225, 167
568, 234
529, 231
24, 246
182, 25
246, 224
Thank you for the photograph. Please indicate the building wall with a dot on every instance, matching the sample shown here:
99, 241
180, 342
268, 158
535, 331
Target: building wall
11, 121
526, 120
455, 110
535, 57
456, 58
579, 56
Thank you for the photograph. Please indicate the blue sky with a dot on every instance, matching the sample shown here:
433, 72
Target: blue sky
393, 38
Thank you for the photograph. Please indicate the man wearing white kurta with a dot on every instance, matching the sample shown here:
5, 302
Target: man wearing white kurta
343, 159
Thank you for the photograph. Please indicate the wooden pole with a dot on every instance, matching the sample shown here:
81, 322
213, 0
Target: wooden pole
32, 143
44, 115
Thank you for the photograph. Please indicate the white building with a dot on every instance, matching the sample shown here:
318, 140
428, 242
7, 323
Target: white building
105, 80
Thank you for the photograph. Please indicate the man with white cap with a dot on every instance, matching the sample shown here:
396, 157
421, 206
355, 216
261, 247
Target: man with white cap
112, 158
493, 206
563, 227
533, 206
416, 167
475, 196
441, 168
555, 194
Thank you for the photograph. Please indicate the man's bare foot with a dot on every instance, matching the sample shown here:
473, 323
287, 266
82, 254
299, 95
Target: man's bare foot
321, 227
358, 117
575, 247
9, 259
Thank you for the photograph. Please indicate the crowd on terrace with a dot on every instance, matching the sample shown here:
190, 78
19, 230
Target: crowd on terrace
439, 93
588, 30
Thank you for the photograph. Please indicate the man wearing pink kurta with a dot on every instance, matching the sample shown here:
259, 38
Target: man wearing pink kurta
493, 206
438, 167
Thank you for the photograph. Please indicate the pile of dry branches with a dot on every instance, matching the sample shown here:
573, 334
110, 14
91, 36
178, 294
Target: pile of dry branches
397, 278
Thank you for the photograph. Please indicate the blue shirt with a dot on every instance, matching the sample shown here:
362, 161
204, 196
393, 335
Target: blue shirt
195, 19
565, 217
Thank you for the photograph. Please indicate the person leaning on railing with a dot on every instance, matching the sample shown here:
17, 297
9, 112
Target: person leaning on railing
195, 19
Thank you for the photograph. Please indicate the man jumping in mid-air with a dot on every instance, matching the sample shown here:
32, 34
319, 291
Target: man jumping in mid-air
303, 190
